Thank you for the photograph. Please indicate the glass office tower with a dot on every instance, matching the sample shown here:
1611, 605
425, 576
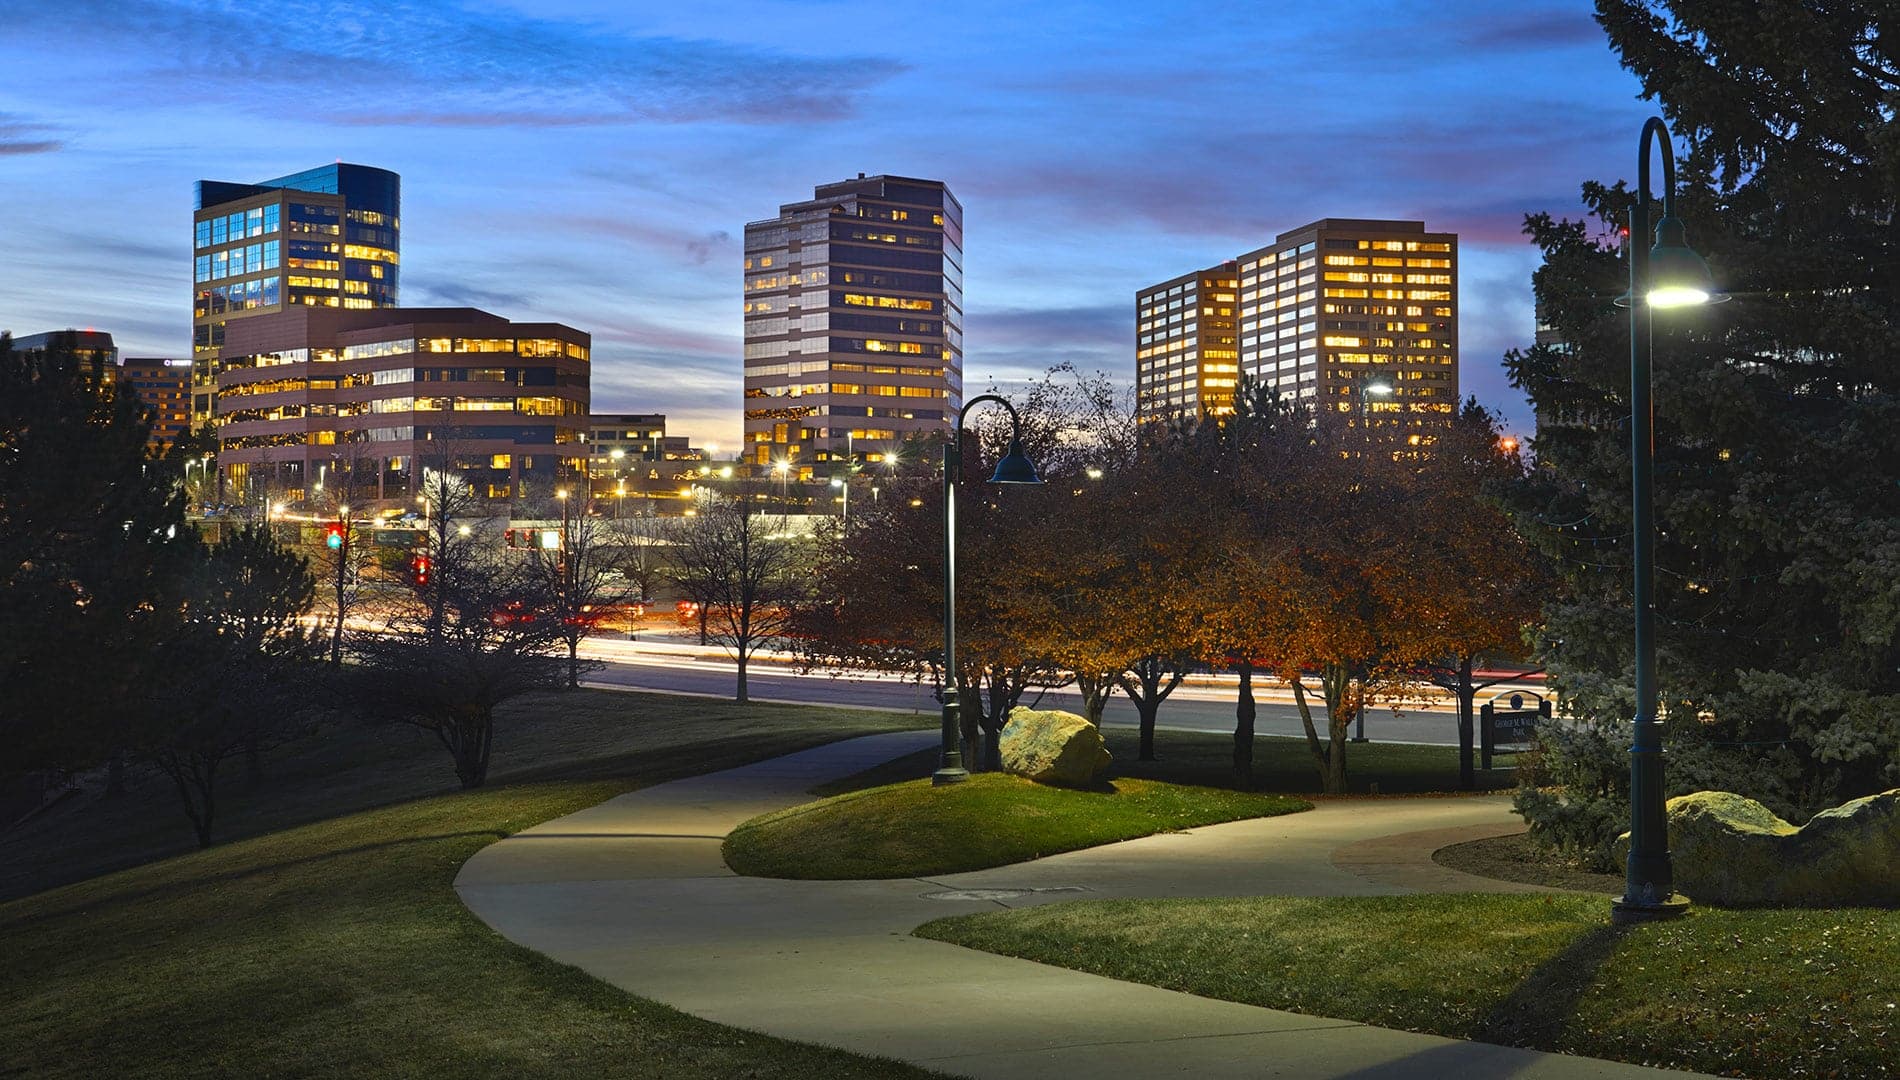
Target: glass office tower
324, 237
853, 321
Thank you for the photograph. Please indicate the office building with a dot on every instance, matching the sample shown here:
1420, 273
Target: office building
358, 400
324, 237
614, 439
93, 350
1186, 357
164, 387
1352, 317
853, 321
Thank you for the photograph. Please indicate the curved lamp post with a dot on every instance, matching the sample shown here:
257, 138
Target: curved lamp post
1669, 275
1014, 468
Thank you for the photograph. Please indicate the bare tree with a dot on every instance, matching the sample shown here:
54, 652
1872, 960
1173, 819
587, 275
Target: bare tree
579, 577
742, 567
346, 550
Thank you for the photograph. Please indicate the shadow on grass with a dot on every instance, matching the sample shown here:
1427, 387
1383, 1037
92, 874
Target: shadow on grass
91, 904
1534, 1014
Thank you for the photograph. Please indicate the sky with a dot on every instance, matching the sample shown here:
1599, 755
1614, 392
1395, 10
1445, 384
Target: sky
594, 163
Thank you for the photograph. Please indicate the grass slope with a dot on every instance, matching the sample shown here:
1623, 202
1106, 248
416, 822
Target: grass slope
339, 947
913, 829
1781, 993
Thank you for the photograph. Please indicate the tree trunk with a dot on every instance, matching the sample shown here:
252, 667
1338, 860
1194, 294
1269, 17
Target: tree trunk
969, 731
1094, 690
1467, 693
474, 737
1243, 728
741, 696
702, 625
1313, 747
573, 663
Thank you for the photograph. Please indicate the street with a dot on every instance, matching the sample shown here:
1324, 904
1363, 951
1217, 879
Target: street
670, 662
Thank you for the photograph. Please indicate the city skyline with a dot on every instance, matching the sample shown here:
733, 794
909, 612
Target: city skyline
1069, 133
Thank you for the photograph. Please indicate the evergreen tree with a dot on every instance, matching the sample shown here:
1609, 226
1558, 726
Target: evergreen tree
1777, 421
94, 562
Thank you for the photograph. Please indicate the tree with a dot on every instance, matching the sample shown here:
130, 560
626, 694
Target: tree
94, 560
1491, 585
1777, 416
580, 577
482, 636
236, 675
743, 569
346, 550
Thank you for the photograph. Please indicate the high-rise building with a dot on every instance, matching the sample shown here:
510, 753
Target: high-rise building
1186, 359
1350, 316
853, 321
315, 395
324, 237
164, 386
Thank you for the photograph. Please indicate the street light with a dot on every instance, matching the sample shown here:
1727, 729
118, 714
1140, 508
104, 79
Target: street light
1669, 275
838, 482
1014, 468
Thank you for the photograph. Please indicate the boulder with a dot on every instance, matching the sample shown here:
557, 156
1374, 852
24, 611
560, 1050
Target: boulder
1734, 851
1053, 747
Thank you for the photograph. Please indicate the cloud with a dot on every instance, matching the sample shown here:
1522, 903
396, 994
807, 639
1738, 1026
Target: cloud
700, 247
19, 135
449, 65
1067, 329
1560, 28
459, 294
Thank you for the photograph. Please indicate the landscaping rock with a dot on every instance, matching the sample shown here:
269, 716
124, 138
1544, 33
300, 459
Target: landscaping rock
1734, 851
1053, 747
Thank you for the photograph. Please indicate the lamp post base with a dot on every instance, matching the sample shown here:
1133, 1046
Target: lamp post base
949, 774
1626, 912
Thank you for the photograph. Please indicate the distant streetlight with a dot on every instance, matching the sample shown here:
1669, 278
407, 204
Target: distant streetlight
1014, 468
1669, 275
838, 482
1094, 474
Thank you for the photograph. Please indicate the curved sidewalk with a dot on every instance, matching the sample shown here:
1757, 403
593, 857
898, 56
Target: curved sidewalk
634, 891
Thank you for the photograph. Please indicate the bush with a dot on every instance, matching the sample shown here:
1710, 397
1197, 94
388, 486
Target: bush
1574, 790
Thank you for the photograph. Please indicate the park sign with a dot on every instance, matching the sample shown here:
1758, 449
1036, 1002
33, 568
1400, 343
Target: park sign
1510, 729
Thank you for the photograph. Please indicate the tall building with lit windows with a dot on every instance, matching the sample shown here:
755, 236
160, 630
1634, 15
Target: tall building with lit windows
853, 321
1341, 305
1329, 313
1186, 357
324, 237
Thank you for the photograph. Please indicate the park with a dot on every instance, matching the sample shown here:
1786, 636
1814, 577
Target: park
1563, 755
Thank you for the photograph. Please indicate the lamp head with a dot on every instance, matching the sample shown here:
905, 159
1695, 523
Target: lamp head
1678, 277
1015, 467
1378, 387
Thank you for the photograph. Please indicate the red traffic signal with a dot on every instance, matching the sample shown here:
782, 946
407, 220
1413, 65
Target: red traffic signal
419, 570
333, 535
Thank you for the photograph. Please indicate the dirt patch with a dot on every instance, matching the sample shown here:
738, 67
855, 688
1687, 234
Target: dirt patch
1515, 858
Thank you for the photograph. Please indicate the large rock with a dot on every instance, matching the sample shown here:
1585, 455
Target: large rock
1053, 747
1734, 851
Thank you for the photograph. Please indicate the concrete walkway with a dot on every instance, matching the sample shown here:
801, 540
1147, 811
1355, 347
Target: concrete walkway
634, 892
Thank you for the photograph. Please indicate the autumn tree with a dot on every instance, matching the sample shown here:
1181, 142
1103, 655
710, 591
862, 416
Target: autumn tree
1489, 586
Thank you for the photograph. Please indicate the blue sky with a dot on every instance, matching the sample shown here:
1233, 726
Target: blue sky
594, 163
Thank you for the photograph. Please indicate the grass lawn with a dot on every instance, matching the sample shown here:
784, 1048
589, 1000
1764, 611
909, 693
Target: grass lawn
1204, 758
339, 947
1783, 993
912, 829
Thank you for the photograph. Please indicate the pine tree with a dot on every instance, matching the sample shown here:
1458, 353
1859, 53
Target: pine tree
1778, 421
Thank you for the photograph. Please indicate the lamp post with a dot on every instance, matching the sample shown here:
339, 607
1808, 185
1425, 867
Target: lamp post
1370, 384
1014, 468
1669, 275
839, 483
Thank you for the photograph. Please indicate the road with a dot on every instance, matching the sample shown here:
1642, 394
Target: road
1205, 705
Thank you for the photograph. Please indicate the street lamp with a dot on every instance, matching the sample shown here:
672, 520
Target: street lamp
1669, 275
1014, 468
838, 482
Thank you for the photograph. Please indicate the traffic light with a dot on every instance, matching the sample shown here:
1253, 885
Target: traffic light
419, 570
333, 535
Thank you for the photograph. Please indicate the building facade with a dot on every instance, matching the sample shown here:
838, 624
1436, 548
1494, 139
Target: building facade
361, 400
164, 386
324, 237
1186, 356
1351, 316
853, 321
93, 350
